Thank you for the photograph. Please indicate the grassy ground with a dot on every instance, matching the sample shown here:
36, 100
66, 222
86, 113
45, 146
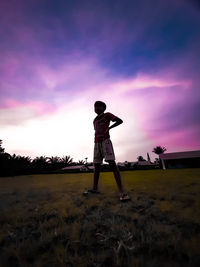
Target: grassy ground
46, 221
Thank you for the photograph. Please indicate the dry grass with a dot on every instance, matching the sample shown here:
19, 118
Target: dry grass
46, 221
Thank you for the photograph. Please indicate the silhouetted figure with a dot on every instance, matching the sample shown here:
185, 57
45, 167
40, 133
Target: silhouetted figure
103, 147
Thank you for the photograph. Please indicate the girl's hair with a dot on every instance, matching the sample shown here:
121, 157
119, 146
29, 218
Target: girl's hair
100, 103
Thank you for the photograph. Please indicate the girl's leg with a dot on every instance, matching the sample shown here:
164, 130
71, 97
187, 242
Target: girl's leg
96, 175
117, 175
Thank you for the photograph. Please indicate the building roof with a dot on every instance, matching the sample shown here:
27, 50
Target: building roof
73, 167
144, 163
124, 162
180, 155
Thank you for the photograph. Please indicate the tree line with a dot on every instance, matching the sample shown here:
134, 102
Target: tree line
18, 165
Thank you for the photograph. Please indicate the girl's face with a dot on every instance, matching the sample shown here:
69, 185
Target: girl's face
98, 109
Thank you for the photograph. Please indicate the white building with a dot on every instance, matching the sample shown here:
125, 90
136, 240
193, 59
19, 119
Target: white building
78, 167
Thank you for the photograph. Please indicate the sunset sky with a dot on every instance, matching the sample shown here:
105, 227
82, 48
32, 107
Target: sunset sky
142, 58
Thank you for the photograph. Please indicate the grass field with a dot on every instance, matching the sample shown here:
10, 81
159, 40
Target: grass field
45, 220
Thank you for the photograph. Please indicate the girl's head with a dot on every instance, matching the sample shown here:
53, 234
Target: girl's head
99, 107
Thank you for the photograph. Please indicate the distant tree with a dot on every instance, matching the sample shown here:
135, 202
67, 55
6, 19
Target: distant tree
159, 150
21, 160
66, 160
140, 158
81, 162
24, 161
17, 163
127, 164
156, 160
40, 161
54, 160
4, 160
1, 148
5, 156
14, 156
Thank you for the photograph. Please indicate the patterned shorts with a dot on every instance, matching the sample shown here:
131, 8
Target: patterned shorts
102, 150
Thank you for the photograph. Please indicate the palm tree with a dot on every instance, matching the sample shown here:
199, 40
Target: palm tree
40, 161
81, 162
19, 163
159, 150
66, 160
21, 158
24, 162
54, 160
140, 158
